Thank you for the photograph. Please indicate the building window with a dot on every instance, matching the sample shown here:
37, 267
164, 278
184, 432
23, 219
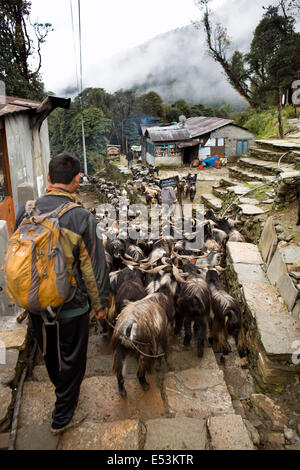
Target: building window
167, 150
150, 148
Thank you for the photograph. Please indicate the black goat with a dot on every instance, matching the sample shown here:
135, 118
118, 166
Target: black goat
193, 305
227, 317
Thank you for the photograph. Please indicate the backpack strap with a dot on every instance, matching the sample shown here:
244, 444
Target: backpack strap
30, 207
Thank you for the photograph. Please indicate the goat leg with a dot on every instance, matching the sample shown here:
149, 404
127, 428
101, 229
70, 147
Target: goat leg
119, 362
178, 323
220, 344
141, 374
202, 328
163, 343
240, 341
187, 331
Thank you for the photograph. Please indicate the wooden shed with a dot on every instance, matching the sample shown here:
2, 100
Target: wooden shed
24, 151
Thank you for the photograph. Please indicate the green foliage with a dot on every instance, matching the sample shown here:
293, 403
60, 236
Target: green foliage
263, 123
65, 131
19, 51
150, 104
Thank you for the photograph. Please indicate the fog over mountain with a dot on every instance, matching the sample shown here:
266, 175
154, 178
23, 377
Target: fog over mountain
177, 64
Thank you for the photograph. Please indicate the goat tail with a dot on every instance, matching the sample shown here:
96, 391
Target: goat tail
124, 334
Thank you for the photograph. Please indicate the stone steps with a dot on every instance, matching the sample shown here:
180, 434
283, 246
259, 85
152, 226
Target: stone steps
264, 167
268, 154
243, 175
272, 331
212, 202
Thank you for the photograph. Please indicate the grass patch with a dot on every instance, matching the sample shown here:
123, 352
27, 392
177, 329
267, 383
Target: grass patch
264, 123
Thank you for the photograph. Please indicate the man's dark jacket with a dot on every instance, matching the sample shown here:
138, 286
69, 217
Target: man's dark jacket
84, 252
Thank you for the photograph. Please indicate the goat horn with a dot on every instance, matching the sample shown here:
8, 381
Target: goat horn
129, 263
154, 270
177, 276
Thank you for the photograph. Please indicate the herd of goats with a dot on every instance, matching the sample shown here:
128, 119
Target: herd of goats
158, 286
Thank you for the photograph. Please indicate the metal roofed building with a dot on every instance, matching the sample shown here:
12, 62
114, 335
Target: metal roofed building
194, 139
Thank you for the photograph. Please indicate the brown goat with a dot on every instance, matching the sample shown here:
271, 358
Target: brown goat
141, 327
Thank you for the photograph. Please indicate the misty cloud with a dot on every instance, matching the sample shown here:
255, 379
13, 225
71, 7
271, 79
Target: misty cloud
177, 64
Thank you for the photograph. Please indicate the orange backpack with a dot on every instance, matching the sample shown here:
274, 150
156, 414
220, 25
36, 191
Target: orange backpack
34, 266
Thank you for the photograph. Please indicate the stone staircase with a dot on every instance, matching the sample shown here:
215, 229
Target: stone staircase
258, 168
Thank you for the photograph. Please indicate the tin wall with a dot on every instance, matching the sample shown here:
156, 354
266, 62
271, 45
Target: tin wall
28, 153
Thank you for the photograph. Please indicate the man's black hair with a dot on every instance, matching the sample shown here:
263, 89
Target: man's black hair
63, 168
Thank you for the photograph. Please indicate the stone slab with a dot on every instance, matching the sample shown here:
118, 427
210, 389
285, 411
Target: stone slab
176, 434
14, 339
288, 291
277, 329
37, 404
249, 273
212, 201
197, 393
239, 190
229, 433
8, 363
37, 437
291, 254
270, 410
272, 372
246, 253
119, 435
268, 240
107, 405
250, 209
240, 382
248, 200
277, 268
5, 400
187, 359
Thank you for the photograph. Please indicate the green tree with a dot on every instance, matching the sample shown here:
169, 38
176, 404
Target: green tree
18, 50
150, 104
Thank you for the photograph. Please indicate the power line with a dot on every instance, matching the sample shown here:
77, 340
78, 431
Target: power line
81, 88
74, 44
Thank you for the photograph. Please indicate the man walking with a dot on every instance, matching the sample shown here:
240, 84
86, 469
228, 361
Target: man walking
129, 157
65, 356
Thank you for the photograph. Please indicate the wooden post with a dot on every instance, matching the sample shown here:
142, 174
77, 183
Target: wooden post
280, 125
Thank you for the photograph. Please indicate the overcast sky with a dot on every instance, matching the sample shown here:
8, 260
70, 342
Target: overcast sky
113, 26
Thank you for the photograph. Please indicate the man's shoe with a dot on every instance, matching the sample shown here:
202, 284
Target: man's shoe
76, 420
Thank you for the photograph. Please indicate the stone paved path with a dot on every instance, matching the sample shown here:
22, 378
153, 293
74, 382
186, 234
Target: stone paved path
187, 403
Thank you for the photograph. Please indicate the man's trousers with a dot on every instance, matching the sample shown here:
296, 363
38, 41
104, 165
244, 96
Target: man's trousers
73, 340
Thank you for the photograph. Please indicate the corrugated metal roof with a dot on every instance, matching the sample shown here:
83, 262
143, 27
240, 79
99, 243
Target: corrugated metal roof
193, 127
12, 104
202, 124
168, 134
